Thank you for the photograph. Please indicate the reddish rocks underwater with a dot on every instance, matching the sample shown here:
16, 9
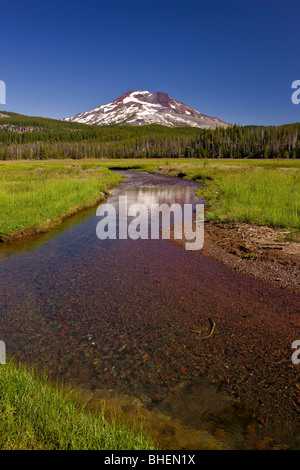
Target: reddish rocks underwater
183, 335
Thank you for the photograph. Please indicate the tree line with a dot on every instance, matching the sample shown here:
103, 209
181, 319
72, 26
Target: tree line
22, 137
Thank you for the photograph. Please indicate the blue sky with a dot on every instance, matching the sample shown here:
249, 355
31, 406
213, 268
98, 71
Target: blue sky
234, 59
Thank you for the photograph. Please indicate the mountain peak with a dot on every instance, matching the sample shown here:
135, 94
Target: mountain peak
142, 107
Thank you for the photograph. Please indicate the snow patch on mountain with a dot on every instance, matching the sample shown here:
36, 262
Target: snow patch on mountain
137, 108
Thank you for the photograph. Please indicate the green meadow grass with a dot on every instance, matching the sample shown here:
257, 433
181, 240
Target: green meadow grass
37, 196
40, 194
38, 415
261, 192
257, 196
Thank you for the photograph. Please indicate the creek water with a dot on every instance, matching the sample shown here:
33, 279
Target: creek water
119, 319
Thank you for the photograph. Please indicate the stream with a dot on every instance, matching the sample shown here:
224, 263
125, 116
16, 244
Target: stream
123, 321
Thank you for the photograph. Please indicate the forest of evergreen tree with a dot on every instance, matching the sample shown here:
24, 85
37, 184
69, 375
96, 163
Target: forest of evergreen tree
24, 137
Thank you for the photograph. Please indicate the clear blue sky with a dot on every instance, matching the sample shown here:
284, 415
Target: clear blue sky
234, 59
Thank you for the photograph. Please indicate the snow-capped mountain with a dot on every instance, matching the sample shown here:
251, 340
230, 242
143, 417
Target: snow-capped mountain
142, 107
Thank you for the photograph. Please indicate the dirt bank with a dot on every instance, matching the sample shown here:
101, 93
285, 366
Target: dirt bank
254, 251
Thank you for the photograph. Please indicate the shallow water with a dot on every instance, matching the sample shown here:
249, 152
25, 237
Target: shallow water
117, 317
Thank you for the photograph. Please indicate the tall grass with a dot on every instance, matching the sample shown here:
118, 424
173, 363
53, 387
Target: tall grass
34, 196
37, 415
262, 197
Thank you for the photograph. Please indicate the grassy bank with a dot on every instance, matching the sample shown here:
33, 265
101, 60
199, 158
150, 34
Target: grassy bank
261, 192
35, 197
37, 415
255, 196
